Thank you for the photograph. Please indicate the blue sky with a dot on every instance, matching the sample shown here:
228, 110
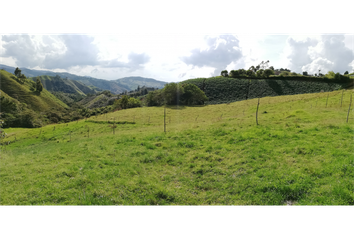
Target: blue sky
174, 57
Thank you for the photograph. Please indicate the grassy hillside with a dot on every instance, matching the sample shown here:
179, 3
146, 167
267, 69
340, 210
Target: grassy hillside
59, 84
25, 93
301, 153
94, 101
7, 103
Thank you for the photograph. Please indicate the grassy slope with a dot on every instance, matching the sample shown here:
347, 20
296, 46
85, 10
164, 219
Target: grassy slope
63, 85
38, 102
97, 99
301, 153
9, 97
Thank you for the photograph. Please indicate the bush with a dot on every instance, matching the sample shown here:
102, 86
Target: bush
268, 72
234, 74
133, 103
330, 74
172, 93
285, 73
154, 98
193, 95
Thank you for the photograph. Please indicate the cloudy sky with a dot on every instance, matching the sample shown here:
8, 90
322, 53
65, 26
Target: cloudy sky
167, 48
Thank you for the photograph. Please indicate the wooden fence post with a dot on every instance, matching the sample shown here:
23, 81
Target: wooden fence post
164, 120
257, 112
350, 103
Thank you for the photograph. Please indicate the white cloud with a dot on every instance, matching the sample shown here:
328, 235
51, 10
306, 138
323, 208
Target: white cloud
174, 56
318, 64
219, 53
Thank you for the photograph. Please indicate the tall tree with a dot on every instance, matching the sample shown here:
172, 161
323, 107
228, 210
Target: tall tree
253, 69
234, 73
193, 95
124, 101
224, 73
264, 65
39, 86
17, 72
172, 93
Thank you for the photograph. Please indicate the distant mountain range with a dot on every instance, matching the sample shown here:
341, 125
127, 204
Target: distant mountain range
115, 86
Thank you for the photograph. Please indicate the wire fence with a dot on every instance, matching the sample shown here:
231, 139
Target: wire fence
172, 118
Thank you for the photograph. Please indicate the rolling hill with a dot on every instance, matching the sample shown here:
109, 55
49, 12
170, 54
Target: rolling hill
115, 86
25, 93
58, 84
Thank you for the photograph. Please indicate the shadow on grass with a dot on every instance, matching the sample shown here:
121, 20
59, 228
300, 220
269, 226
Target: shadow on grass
181, 107
176, 107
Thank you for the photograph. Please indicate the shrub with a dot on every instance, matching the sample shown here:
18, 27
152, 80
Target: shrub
172, 93
234, 74
154, 98
133, 103
330, 74
268, 72
285, 73
193, 95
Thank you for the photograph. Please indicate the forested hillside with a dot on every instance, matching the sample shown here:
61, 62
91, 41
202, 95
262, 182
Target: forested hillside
225, 89
65, 85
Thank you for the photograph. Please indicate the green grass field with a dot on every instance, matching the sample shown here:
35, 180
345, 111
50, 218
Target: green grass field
301, 153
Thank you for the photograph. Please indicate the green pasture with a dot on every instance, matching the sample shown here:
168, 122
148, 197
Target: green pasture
300, 153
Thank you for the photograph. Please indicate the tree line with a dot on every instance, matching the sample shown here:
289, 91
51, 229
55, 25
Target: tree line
171, 94
263, 71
